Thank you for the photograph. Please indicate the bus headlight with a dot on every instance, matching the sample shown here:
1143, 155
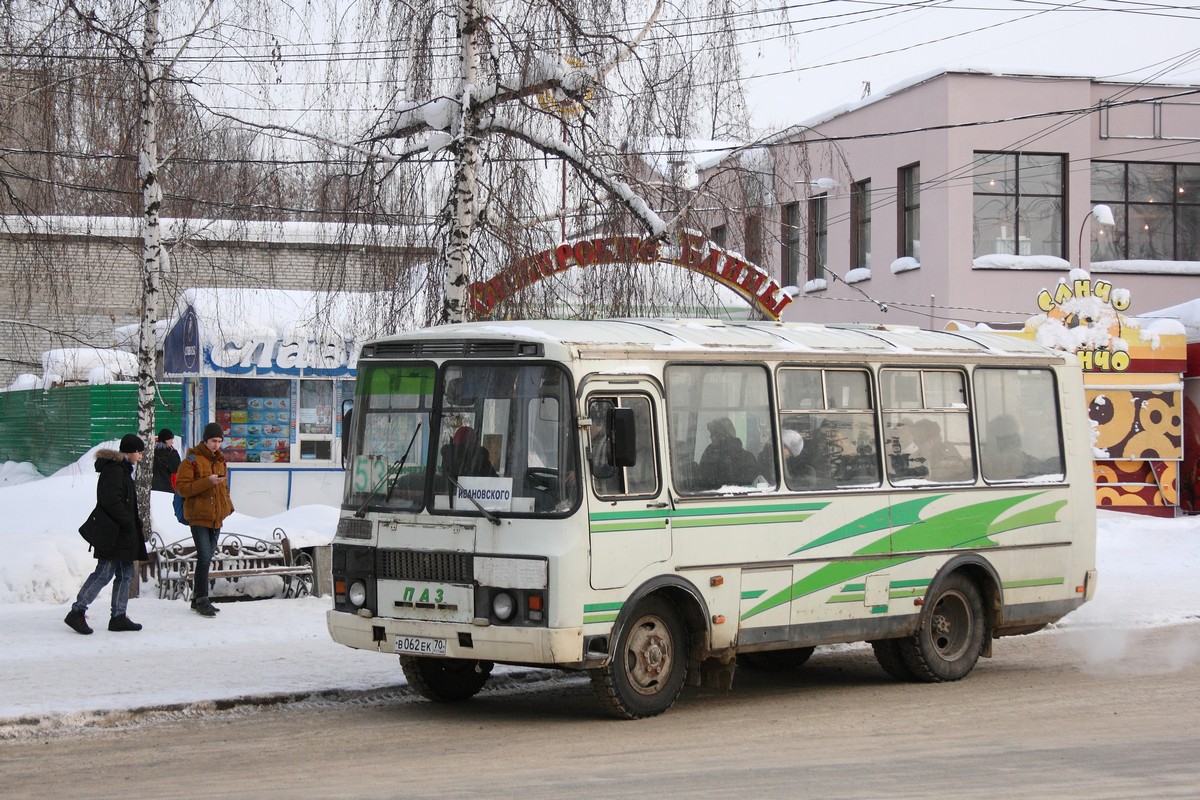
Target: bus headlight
357, 594
503, 606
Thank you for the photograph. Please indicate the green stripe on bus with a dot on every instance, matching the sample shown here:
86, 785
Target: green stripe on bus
609, 527
748, 519
1034, 582
848, 598
590, 607
759, 509
603, 516
589, 618
879, 609
753, 593
965, 527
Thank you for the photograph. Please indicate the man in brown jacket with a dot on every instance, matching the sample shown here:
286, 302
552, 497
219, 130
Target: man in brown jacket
202, 482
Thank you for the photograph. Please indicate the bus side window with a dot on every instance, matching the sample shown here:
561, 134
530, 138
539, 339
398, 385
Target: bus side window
1019, 433
611, 476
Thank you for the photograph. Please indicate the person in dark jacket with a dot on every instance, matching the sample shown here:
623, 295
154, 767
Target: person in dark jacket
166, 462
202, 481
725, 462
116, 497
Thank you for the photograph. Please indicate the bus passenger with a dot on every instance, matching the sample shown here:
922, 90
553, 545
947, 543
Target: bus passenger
725, 462
943, 461
1001, 454
465, 456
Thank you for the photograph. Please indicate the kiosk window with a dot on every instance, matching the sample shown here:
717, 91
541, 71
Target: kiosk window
256, 414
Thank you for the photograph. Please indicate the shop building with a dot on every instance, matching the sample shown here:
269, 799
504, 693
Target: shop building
276, 369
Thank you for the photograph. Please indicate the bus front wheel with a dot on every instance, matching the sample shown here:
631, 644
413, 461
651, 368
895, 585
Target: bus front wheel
445, 680
649, 664
951, 636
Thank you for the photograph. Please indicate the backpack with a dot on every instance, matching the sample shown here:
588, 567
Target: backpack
177, 500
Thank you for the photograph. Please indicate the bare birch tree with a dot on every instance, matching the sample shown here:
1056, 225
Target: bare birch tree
492, 100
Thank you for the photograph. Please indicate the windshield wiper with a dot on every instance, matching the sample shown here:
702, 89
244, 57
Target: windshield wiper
492, 518
395, 469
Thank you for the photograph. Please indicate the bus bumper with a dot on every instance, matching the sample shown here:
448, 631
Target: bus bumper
558, 646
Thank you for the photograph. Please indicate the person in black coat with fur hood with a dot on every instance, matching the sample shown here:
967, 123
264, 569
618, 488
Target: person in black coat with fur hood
116, 504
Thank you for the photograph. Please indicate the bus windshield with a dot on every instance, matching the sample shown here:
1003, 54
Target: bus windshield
477, 439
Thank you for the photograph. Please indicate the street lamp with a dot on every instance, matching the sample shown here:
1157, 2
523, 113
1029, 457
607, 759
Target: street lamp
1104, 216
821, 184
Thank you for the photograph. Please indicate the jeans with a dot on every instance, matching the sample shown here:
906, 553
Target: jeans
105, 571
206, 545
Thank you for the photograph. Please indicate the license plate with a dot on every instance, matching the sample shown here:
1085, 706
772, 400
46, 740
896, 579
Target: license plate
420, 646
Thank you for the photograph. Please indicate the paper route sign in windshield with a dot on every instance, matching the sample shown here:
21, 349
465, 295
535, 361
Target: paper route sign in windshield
494, 494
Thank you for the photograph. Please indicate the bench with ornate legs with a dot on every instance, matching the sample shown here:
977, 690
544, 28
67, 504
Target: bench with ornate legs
237, 556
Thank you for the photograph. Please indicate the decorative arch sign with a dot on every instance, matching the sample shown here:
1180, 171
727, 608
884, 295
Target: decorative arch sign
696, 253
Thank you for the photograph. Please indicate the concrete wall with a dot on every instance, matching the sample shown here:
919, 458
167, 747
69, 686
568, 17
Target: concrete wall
71, 285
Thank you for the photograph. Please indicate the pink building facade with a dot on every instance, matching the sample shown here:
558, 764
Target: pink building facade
960, 196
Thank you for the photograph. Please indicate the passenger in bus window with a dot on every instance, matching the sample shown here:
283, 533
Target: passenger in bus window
725, 462
942, 460
465, 456
1001, 453
798, 468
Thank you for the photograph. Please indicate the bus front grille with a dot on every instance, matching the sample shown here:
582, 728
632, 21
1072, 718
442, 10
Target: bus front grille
422, 565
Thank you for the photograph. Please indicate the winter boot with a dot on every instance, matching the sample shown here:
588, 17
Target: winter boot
203, 607
204, 601
123, 623
78, 622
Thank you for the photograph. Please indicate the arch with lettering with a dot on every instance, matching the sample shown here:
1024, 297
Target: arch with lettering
696, 253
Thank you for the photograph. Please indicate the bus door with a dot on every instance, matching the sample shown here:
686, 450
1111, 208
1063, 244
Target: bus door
628, 512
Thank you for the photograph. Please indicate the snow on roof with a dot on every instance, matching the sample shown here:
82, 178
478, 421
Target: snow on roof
800, 128
215, 230
91, 364
230, 313
1187, 314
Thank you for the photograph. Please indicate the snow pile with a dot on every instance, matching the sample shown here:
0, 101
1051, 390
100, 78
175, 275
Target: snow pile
91, 364
14, 473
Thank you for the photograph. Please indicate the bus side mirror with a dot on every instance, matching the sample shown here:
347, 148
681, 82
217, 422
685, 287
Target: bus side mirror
624, 437
347, 419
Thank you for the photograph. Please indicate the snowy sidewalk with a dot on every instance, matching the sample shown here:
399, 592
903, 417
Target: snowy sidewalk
252, 648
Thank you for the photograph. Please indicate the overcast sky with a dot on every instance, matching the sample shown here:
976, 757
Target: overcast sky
839, 46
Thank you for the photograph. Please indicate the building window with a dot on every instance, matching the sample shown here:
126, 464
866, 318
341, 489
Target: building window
910, 211
1019, 204
789, 262
1156, 208
860, 225
315, 419
754, 237
818, 237
718, 235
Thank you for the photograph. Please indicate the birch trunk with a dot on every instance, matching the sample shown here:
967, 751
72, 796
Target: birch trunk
152, 257
466, 172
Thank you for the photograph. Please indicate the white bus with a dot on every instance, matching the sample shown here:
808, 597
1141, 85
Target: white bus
660, 501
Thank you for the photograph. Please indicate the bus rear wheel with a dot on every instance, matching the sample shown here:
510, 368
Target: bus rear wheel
445, 680
648, 666
951, 637
887, 653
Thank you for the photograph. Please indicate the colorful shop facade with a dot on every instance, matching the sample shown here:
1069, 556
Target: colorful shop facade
280, 385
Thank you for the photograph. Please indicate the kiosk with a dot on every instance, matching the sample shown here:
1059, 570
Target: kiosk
276, 369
